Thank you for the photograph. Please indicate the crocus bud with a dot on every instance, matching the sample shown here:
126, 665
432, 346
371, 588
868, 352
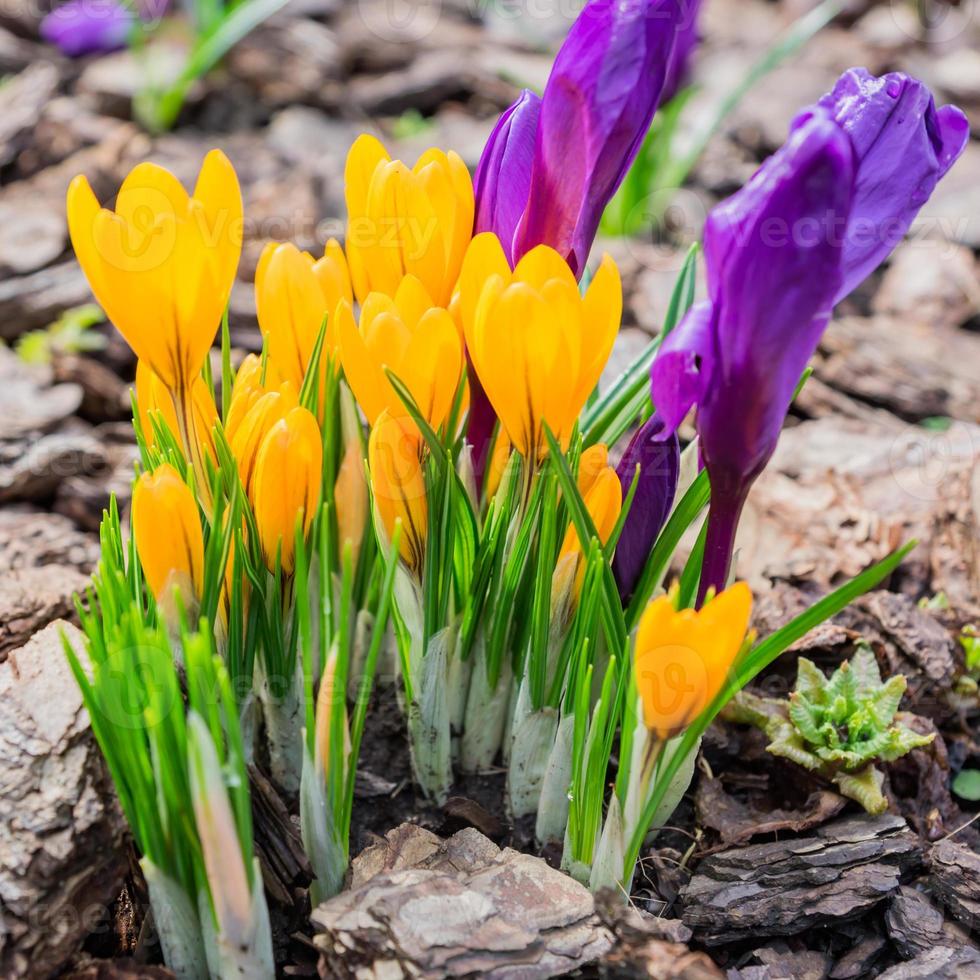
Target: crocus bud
162, 264
293, 295
286, 485
398, 487
659, 460
329, 698
593, 462
406, 221
603, 501
153, 397
412, 337
221, 849
683, 658
169, 539
350, 489
249, 386
537, 345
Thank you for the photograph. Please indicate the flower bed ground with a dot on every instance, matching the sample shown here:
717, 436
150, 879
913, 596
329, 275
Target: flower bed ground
882, 446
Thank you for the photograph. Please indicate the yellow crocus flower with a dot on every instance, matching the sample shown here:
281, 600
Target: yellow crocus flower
603, 499
398, 486
402, 221
162, 264
683, 657
286, 484
247, 436
416, 339
536, 344
249, 386
169, 539
293, 294
591, 465
152, 395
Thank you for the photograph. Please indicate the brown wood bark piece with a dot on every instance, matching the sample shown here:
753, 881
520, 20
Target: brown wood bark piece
956, 880
31, 598
21, 101
456, 908
62, 856
30, 539
648, 947
33, 470
920, 638
938, 963
789, 886
284, 864
916, 924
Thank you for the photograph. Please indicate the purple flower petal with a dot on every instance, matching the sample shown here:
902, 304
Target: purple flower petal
503, 175
681, 371
658, 455
903, 147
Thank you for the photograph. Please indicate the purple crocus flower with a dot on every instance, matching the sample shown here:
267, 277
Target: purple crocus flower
603, 90
659, 459
779, 254
551, 165
88, 26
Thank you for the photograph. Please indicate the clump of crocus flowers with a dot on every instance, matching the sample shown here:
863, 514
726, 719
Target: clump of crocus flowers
339, 485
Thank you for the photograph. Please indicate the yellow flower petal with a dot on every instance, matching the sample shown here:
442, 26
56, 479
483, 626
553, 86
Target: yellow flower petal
591, 463
406, 221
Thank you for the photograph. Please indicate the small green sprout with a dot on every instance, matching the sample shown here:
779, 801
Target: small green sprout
837, 726
970, 641
411, 123
69, 334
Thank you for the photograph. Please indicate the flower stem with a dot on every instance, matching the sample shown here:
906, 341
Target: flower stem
719, 545
189, 436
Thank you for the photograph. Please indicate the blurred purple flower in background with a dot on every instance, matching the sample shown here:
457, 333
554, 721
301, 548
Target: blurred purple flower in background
81, 27
659, 458
816, 218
